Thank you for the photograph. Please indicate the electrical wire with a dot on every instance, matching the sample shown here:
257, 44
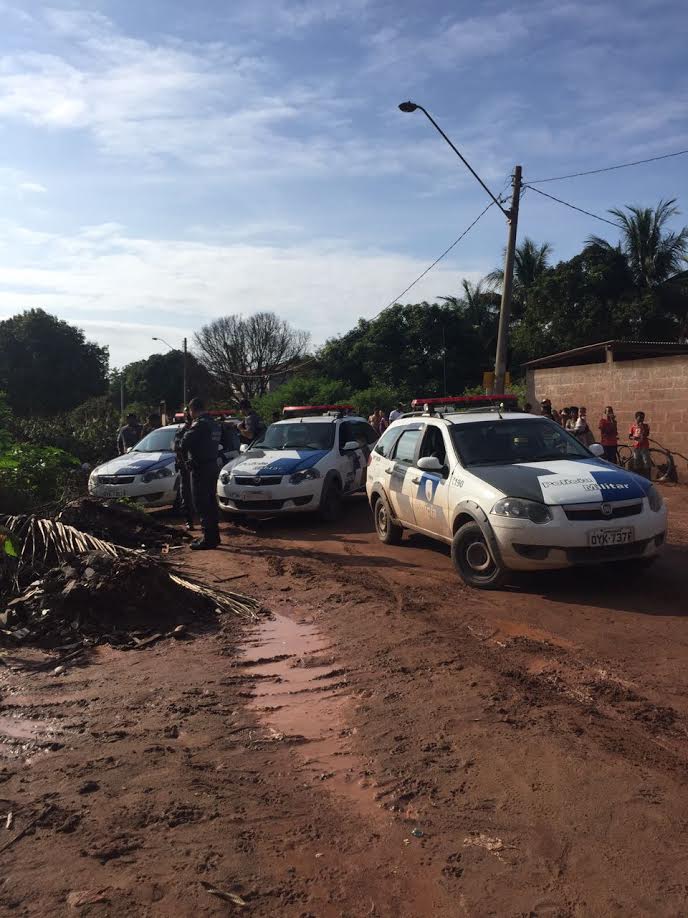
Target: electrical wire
435, 262
573, 207
637, 162
391, 303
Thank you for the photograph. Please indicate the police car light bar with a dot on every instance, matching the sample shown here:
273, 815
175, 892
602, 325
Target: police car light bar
305, 410
466, 401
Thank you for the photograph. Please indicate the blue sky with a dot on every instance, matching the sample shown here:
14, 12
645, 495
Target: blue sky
164, 163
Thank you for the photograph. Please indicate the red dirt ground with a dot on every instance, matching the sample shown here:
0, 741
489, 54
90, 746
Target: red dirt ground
388, 743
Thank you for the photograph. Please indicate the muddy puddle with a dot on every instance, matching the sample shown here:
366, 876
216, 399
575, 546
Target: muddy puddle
300, 694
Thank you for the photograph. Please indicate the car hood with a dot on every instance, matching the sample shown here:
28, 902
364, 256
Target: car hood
135, 463
564, 481
277, 461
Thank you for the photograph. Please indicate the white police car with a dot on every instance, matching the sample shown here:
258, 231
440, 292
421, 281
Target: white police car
146, 473
307, 462
508, 491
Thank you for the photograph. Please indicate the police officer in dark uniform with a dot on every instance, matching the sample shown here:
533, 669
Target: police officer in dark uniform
200, 446
185, 496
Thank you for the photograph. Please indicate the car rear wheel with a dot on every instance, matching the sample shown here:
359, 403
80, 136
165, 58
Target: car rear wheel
331, 502
474, 561
387, 530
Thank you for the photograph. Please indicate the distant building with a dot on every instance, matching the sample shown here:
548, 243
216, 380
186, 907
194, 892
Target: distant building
649, 376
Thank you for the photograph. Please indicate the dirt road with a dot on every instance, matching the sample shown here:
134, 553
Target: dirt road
387, 743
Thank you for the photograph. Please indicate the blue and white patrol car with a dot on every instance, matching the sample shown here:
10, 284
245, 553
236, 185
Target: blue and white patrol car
307, 462
508, 491
146, 473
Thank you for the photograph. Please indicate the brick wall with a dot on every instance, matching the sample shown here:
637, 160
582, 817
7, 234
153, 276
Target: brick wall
657, 385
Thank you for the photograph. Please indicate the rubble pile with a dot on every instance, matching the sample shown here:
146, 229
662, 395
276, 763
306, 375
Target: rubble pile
116, 522
120, 600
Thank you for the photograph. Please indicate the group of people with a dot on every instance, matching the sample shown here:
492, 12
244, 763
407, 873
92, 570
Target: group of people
381, 422
575, 420
129, 435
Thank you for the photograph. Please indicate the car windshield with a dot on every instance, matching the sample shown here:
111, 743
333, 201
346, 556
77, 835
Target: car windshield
507, 442
309, 435
157, 441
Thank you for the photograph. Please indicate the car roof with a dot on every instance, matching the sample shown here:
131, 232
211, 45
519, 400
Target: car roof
467, 417
320, 417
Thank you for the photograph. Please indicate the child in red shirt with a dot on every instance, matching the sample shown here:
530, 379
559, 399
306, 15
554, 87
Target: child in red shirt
609, 435
639, 435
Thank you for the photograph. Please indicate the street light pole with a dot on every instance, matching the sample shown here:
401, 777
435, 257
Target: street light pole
185, 401
512, 218
184, 356
507, 286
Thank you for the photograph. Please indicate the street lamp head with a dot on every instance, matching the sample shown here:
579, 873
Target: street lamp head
408, 107
154, 338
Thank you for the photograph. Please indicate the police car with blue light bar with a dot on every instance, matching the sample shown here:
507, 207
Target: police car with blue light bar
306, 462
508, 491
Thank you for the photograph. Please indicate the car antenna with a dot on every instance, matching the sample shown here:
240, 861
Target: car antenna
500, 405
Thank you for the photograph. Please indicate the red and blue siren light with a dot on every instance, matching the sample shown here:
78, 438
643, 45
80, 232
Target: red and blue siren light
305, 411
510, 402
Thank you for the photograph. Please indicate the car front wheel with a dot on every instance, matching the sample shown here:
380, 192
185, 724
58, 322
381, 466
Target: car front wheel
331, 502
474, 561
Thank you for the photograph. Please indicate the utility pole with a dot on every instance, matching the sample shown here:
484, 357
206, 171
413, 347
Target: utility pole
507, 286
121, 395
184, 403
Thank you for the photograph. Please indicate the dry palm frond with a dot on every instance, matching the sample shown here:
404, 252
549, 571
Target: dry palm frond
44, 542
225, 600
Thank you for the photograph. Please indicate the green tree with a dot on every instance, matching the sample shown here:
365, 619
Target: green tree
479, 305
47, 365
531, 263
652, 253
160, 377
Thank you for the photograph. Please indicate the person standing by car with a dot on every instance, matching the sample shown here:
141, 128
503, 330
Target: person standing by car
573, 419
200, 445
377, 420
609, 435
582, 429
397, 412
185, 495
252, 426
639, 435
129, 435
152, 423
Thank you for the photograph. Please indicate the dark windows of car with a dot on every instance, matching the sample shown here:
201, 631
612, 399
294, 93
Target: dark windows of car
157, 441
406, 446
433, 445
385, 445
362, 433
502, 442
299, 435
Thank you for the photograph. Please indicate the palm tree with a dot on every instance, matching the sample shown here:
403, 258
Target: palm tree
652, 254
479, 305
531, 261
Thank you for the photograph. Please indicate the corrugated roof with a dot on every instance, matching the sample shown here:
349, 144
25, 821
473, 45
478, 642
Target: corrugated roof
596, 353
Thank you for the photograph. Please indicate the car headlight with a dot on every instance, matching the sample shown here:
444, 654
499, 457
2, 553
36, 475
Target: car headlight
654, 498
224, 477
165, 472
520, 509
305, 475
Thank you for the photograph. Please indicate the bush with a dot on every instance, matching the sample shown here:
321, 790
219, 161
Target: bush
31, 476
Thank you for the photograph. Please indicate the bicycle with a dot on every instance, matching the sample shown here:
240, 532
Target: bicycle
662, 463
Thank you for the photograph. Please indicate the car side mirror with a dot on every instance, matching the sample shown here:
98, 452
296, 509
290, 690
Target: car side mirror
351, 445
430, 464
597, 449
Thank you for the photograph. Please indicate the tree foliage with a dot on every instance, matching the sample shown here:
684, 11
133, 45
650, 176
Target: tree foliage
241, 353
160, 377
47, 365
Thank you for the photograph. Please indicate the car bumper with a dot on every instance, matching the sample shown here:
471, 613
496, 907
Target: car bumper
245, 501
552, 546
154, 494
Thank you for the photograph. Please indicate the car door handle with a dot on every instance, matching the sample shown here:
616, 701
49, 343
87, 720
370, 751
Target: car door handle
415, 481
389, 471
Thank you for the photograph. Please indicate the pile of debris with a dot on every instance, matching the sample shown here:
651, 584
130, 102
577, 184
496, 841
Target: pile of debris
119, 599
116, 522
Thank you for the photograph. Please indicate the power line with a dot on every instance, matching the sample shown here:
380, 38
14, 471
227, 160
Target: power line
573, 207
637, 162
395, 300
435, 262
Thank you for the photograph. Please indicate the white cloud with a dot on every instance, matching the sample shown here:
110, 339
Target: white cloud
101, 275
32, 187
